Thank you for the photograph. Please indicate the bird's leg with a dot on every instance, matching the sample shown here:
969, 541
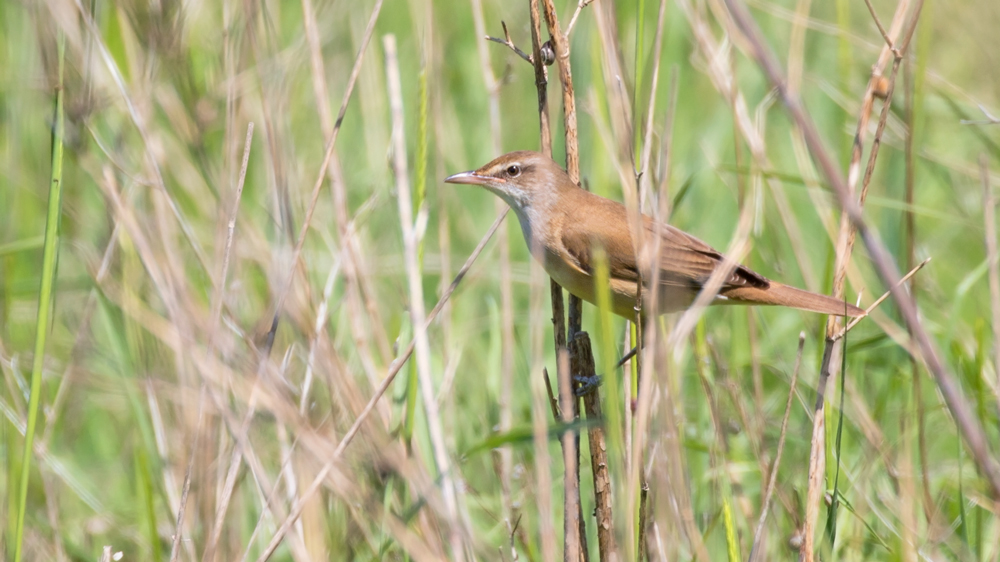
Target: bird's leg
627, 356
589, 384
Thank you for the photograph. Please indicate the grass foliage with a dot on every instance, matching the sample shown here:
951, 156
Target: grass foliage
159, 379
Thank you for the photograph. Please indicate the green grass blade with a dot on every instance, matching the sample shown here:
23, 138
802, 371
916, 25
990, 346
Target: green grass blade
732, 543
145, 493
45, 297
22, 245
524, 436
612, 378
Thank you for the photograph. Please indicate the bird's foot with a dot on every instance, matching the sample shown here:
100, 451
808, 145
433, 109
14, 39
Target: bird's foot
586, 384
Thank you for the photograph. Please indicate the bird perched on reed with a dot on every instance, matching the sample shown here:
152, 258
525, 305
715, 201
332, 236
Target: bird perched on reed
564, 225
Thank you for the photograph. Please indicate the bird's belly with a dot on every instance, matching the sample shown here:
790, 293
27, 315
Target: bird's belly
622, 292
581, 284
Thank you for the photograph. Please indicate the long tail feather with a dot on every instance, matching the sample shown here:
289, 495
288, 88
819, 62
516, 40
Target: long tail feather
783, 295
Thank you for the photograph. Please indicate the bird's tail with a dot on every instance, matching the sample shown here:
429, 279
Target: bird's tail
783, 295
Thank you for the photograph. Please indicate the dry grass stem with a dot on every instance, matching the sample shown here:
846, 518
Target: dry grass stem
139, 122
620, 112
561, 46
327, 157
507, 342
573, 524
647, 246
240, 451
358, 288
229, 319
854, 321
971, 431
215, 316
651, 337
759, 532
716, 54
397, 365
230, 232
579, 8
845, 245
788, 90
449, 489
645, 180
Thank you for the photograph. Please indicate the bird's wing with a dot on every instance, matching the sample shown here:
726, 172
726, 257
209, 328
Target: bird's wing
685, 261
604, 227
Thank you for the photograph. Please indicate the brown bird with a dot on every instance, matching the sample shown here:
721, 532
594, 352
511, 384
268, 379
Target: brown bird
563, 224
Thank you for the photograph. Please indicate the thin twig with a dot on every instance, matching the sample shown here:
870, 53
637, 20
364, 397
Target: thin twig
758, 534
510, 44
878, 23
557, 48
878, 301
579, 8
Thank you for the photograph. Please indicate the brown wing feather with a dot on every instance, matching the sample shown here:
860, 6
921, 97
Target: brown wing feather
606, 227
685, 261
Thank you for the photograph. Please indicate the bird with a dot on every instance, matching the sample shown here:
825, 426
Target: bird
565, 226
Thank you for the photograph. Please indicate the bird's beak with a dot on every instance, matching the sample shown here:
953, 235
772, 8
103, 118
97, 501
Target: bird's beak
469, 178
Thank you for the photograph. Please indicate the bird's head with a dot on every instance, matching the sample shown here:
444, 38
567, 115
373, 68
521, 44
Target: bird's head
523, 179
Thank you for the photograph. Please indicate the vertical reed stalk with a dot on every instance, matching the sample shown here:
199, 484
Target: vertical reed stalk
418, 317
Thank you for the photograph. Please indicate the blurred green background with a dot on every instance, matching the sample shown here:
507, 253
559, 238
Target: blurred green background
157, 99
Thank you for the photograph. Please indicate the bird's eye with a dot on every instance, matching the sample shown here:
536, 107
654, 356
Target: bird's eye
513, 170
